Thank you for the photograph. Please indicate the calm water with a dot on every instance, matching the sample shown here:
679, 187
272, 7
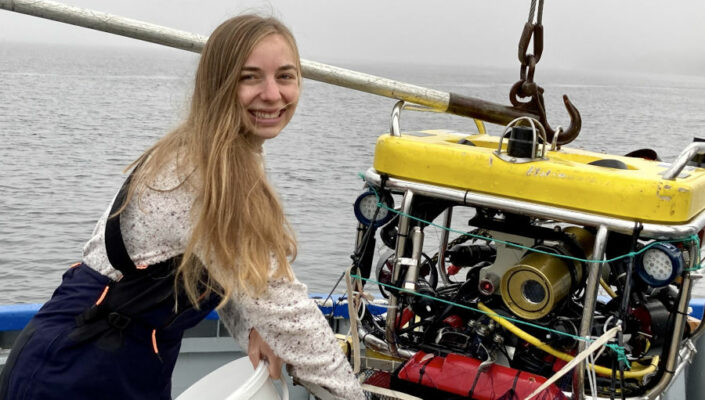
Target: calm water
72, 118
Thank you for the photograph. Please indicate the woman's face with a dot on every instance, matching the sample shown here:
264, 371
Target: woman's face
269, 86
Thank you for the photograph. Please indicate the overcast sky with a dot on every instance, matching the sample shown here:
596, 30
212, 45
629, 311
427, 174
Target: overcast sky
638, 35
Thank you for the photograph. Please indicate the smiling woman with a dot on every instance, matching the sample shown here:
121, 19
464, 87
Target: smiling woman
195, 226
269, 86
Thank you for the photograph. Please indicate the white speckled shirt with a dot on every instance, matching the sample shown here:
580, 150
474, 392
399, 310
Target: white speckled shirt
157, 226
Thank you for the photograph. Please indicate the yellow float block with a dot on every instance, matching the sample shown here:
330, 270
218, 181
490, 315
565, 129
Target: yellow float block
563, 179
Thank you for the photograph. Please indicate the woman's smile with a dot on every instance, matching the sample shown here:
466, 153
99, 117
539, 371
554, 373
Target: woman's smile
269, 86
267, 116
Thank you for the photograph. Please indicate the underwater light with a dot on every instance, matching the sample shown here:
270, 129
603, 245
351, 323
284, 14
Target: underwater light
366, 206
660, 264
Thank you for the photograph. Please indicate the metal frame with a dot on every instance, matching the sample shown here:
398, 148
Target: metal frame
678, 355
682, 160
538, 132
470, 198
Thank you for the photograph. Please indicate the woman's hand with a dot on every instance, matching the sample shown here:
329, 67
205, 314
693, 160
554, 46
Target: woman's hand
258, 349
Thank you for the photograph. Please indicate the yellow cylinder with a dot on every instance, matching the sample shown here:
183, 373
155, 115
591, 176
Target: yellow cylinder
532, 288
583, 238
539, 282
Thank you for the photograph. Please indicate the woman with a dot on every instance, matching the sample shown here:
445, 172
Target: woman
195, 226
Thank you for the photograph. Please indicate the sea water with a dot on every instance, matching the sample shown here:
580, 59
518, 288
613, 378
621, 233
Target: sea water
71, 118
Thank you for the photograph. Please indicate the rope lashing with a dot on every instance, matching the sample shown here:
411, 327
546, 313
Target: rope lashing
691, 239
497, 317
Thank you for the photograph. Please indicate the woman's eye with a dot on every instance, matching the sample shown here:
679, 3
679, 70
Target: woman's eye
287, 76
247, 77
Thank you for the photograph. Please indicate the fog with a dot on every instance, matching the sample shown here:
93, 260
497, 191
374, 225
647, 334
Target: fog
643, 36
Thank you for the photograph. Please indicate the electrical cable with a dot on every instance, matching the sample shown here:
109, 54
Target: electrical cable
603, 371
608, 289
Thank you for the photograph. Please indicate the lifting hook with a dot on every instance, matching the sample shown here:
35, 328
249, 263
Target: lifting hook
535, 105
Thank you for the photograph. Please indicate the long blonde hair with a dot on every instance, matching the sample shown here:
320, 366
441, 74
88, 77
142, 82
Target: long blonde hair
239, 224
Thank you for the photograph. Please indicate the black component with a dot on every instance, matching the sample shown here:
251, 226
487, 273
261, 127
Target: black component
455, 340
647, 154
388, 233
427, 209
363, 256
563, 342
466, 142
530, 359
421, 305
467, 255
521, 142
648, 324
472, 281
365, 264
609, 163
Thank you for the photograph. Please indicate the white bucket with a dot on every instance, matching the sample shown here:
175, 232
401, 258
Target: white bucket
236, 380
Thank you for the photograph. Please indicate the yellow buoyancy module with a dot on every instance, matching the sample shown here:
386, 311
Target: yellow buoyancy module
564, 178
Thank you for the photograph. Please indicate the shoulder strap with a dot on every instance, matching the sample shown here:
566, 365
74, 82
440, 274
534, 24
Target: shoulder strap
114, 244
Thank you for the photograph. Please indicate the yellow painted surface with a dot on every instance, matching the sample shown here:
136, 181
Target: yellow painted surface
563, 179
345, 343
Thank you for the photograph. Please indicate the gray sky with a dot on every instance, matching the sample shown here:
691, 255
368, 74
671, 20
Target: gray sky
634, 35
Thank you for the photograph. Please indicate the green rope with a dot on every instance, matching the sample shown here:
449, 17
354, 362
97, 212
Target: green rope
696, 266
621, 355
620, 351
448, 302
692, 238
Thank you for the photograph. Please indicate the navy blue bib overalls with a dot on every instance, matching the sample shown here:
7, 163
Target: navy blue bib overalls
100, 339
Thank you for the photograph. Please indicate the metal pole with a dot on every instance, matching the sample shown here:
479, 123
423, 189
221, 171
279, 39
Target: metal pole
441, 263
402, 237
591, 288
107, 23
436, 99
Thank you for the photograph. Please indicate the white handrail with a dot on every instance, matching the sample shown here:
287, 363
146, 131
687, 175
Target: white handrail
434, 99
193, 42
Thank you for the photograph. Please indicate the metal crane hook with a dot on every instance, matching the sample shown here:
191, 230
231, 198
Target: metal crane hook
536, 105
568, 134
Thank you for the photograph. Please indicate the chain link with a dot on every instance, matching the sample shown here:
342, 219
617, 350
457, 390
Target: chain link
525, 94
526, 87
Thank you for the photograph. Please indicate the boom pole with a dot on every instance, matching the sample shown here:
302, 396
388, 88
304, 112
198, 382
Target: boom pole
435, 99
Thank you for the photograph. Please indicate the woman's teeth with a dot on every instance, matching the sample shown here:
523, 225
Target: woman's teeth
265, 115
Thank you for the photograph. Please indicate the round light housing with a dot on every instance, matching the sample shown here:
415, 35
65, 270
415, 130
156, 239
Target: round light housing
660, 264
366, 206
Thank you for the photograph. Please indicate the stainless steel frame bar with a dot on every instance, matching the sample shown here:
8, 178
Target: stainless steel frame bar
466, 197
402, 238
591, 288
447, 217
671, 367
682, 160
